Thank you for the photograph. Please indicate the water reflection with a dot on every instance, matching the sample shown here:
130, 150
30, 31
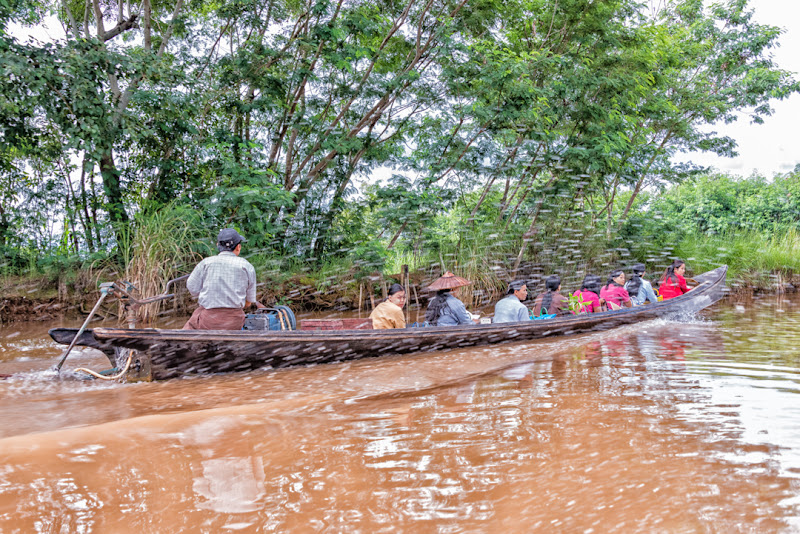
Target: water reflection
675, 427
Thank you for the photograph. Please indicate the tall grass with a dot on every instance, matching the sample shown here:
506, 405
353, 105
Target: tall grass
399, 257
754, 259
476, 263
163, 245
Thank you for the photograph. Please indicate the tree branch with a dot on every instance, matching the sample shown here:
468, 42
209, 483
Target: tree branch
72, 24
122, 26
168, 33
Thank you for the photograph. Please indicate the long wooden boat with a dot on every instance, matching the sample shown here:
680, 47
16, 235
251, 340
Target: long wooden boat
162, 354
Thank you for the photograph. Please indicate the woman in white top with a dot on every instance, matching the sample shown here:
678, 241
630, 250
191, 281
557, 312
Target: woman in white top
638, 288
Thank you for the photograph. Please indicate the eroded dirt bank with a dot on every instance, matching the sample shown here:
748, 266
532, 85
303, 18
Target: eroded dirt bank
32, 301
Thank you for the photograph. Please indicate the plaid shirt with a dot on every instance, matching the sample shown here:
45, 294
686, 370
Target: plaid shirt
223, 281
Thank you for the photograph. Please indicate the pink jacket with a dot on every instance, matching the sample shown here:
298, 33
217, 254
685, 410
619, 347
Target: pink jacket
591, 298
616, 294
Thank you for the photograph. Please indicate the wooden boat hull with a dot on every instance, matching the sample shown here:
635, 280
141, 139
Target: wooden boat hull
163, 354
66, 335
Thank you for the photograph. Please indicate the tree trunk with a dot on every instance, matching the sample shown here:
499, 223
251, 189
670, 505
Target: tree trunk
400, 231
639, 183
159, 193
71, 206
113, 190
528, 236
95, 203
84, 208
509, 159
4, 226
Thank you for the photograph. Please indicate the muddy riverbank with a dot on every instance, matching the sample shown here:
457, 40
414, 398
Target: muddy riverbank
31, 300
38, 299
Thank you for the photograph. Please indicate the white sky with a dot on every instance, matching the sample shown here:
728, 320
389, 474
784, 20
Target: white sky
771, 147
766, 149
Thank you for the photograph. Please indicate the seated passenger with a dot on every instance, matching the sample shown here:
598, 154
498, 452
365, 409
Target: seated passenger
673, 284
510, 308
444, 309
590, 294
638, 288
614, 293
551, 302
389, 313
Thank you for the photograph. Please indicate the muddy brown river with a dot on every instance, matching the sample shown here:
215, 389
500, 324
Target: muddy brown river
690, 426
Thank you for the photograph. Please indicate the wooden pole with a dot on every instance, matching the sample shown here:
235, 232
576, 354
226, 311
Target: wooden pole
360, 296
404, 281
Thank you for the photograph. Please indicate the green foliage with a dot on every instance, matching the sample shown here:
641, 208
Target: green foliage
519, 132
368, 258
721, 204
248, 200
753, 258
576, 302
749, 224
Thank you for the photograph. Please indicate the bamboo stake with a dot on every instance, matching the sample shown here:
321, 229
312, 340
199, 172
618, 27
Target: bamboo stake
404, 276
416, 298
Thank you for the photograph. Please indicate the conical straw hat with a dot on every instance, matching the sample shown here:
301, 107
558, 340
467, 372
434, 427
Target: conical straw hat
448, 281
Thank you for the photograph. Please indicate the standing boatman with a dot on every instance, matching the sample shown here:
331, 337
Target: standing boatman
224, 285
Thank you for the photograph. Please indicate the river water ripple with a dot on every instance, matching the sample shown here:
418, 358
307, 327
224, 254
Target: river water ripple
664, 426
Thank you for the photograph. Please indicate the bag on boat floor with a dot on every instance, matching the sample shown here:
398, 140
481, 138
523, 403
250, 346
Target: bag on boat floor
277, 318
543, 315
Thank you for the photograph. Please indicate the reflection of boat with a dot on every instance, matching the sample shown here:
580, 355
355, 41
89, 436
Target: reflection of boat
165, 354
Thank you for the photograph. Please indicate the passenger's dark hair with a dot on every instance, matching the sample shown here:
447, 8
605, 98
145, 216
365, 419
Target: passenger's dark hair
669, 274
633, 285
436, 306
516, 285
551, 285
615, 273
592, 282
396, 288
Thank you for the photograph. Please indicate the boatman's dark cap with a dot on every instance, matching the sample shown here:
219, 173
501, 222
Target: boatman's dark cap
229, 238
